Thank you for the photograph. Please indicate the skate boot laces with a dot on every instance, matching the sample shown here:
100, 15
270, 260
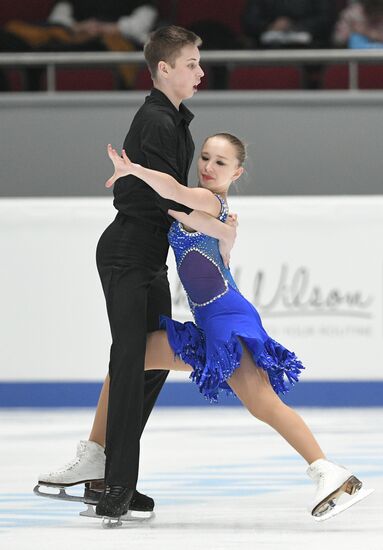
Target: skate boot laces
320, 479
81, 448
114, 490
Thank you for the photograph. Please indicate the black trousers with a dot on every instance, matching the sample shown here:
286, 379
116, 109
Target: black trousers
131, 263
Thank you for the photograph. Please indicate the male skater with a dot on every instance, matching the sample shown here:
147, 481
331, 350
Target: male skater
131, 257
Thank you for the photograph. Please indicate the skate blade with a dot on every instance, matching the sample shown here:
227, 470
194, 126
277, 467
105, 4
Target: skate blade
111, 523
90, 512
335, 509
137, 516
351, 486
130, 516
61, 495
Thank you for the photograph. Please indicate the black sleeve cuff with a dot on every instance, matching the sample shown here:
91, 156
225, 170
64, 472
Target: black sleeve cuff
166, 205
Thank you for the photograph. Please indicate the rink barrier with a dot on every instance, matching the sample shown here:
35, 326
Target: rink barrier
54, 60
178, 394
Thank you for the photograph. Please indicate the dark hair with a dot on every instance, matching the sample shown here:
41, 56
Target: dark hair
165, 44
373, 9
238, 145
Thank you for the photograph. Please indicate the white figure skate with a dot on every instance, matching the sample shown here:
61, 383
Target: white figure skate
337, 489
88, 466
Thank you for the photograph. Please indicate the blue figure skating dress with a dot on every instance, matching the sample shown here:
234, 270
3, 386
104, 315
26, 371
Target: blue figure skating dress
224, 320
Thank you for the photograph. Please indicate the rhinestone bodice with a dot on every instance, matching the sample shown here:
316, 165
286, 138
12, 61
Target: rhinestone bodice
200, 267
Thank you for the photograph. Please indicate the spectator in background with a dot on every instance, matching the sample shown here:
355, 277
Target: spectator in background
360, 25
291, 24
281, 23
85, 25
216, 36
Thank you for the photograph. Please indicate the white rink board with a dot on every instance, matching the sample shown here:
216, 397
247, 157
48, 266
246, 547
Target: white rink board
311, 265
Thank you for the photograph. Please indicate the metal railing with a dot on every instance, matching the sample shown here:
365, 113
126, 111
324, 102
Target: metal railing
231, 58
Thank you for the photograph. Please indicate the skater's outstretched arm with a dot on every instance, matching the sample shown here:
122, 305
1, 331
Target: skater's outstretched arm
164, 184
205, 205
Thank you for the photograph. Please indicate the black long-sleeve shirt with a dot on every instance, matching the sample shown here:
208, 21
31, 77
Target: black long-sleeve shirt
313, 16
159, 138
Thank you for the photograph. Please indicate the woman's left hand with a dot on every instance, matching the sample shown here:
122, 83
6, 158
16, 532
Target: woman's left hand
122, 165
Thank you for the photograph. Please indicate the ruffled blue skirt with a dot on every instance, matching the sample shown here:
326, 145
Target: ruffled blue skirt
213, 346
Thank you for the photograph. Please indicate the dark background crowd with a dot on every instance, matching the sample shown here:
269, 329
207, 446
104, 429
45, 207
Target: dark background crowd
123, 25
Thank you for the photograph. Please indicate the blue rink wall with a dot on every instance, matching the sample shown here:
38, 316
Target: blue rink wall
179, 394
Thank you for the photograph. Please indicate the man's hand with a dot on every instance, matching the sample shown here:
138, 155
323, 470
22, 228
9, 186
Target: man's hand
226, 245
232, 219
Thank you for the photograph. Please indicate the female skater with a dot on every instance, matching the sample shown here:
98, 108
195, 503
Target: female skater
227, 348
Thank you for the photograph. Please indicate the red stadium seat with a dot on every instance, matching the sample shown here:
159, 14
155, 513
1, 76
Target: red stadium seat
70, 79
224, 11
183, 13
143, 80
15, 79
335, 77
33, 10
85, 79
265, 78
371, 77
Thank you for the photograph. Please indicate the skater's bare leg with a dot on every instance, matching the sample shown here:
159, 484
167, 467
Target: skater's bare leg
159, 354
98, 431
251, 384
